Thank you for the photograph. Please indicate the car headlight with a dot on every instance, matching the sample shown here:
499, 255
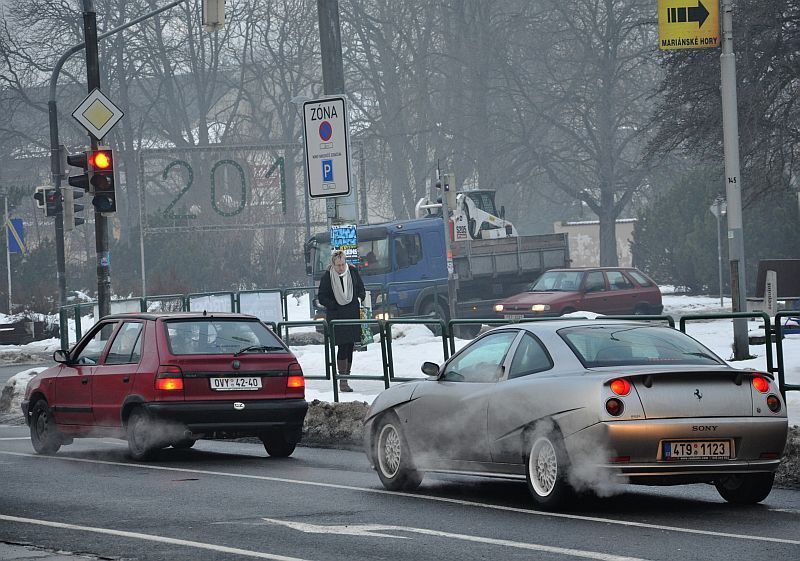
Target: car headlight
540, 307
498, 307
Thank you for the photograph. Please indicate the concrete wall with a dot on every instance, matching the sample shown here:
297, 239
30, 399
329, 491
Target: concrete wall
584, 241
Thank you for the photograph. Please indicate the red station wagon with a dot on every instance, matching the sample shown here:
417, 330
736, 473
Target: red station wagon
603, 290
161, 380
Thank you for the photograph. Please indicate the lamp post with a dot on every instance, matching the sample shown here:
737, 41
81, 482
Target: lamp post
298, 102
719, 208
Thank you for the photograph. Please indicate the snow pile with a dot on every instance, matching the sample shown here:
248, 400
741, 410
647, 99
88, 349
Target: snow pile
14, 391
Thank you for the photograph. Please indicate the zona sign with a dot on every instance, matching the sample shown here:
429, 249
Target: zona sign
327, 144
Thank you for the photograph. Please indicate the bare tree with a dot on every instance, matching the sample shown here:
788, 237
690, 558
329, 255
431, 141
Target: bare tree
580, 79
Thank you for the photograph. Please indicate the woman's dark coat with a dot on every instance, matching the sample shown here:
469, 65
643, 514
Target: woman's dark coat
342, 333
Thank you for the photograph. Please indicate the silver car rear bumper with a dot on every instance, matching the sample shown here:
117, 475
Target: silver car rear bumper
635, 448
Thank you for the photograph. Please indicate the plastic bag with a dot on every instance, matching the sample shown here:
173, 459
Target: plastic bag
366, 313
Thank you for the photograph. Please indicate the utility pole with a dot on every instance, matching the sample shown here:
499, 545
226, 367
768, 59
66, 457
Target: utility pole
733, 183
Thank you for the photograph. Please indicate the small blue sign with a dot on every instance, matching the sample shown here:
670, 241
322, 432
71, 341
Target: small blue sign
345, 237
327, 171
16, 235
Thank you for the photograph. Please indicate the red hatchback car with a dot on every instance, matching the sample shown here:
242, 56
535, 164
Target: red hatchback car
161, 380
603, 290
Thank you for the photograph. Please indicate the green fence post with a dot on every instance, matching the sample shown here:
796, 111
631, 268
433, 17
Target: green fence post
334, 366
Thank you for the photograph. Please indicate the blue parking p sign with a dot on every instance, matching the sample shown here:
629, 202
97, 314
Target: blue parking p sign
327, 171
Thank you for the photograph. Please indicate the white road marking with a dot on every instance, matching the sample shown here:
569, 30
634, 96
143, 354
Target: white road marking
15, 438
374, 529
418, 497
788, 510
151, 538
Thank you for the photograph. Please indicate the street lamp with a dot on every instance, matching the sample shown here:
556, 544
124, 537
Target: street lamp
719, 208
298, 102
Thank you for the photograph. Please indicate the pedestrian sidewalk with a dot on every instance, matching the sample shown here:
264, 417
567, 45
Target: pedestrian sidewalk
14, 552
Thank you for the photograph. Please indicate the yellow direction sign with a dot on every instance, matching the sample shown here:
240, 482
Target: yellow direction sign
688, 24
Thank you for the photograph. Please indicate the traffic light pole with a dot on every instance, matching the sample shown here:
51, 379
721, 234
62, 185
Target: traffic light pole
57, 172
100, 221
56, 151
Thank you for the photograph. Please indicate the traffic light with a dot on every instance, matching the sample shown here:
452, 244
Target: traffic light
101, 180
71, 208
80, 161
52, 202
39, 196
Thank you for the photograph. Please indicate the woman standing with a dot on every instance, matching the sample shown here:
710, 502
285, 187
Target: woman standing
340, 291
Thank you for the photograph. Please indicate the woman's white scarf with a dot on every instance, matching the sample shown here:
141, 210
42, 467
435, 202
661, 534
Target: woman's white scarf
342, 294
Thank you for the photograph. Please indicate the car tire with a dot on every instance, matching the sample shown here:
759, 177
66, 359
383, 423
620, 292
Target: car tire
745, 489
468, 331
641, 310
436, 308
277, 446
393, 460
45, 437
141, 436
546, 467
184, 444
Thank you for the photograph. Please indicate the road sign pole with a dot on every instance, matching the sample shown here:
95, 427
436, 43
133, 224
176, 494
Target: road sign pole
330, 41
100, 223
733, 182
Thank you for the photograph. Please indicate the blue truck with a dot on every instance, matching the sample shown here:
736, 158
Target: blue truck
408, 257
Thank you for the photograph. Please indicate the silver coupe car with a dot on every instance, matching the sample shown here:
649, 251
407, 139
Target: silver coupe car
583, 405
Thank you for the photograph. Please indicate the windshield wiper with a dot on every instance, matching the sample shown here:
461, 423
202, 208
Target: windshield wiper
263, 348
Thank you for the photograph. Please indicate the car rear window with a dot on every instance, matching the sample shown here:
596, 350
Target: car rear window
216, 336
626, 344
640, 278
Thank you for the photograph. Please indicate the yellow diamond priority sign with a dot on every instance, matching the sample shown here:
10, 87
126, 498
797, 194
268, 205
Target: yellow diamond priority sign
688, 24
97, 114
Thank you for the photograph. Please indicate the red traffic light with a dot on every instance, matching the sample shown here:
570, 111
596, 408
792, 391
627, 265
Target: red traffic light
101, 160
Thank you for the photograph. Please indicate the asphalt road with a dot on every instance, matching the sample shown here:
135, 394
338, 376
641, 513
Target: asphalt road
226, 500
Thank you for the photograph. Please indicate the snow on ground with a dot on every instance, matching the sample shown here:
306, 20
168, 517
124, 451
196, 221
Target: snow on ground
414, 344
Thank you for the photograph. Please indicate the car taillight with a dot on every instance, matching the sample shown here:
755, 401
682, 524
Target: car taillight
761, 384
169, 378
615, 407
773, 403
620, 386
295, 379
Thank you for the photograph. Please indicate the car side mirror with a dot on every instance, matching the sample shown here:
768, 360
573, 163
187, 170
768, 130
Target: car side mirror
430, 369
61, 356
